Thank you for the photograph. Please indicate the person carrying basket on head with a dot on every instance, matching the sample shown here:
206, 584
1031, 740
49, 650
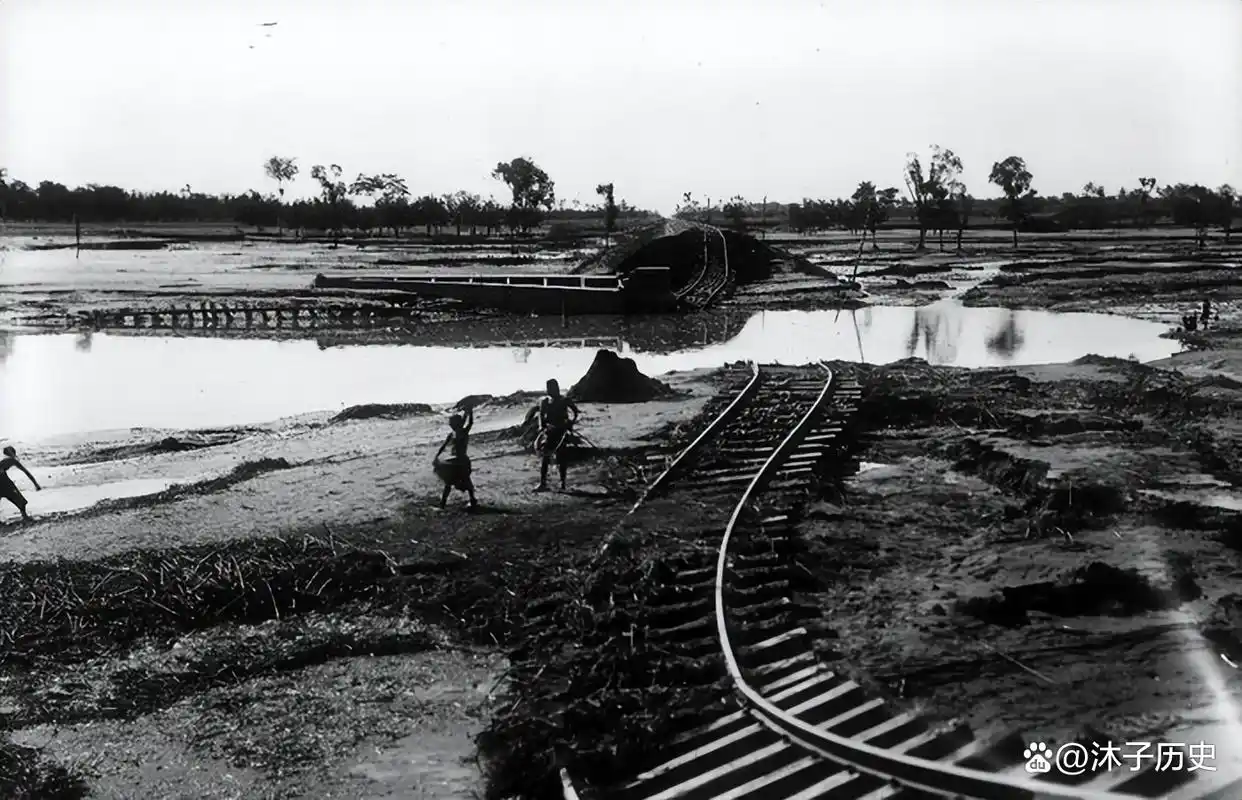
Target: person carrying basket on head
8, 489
555, 432
455, 471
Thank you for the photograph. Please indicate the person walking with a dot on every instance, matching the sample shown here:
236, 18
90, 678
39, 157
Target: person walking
8, 489
555, 425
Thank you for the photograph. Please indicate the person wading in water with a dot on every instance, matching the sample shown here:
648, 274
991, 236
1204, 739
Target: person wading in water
554, 426
456, 471
8, 489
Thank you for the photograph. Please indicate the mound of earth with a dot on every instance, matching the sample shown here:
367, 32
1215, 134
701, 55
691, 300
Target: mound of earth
612, 379
385, 410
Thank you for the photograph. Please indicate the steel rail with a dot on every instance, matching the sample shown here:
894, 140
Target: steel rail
722, 419
916, 773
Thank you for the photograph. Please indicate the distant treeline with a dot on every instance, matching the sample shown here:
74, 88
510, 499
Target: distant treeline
936, 200
337, 208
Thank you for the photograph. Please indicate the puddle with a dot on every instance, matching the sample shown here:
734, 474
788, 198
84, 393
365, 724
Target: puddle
68, 383
57, 499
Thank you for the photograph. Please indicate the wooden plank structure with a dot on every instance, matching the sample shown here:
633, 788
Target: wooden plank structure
216, 316
643, 290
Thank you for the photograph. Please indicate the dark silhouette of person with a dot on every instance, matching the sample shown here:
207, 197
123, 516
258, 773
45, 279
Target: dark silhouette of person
1207, 313
8, 489
555, 424
455, 472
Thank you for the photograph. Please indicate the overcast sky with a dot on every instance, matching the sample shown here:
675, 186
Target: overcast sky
784, 98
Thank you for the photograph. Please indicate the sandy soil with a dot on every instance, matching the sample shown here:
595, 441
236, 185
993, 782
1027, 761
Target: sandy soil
371, 475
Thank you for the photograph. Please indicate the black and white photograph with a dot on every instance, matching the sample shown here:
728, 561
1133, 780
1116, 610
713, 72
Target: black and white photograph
567, 400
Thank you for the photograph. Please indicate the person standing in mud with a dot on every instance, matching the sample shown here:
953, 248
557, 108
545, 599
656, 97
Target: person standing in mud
1207, 313
554, 427
8, 489
456, 471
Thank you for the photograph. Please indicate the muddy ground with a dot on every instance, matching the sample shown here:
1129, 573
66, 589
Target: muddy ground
1036, 548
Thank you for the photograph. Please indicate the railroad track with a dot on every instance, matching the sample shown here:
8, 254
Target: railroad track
796, 729
715, 277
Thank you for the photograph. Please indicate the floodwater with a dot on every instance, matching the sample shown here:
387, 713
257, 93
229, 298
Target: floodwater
53, 385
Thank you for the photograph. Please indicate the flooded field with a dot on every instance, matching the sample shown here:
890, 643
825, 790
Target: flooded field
53, 385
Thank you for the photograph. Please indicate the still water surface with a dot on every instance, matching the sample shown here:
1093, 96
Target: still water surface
52, 385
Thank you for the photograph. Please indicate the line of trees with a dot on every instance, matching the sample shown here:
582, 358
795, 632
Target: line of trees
379, 202
937, 200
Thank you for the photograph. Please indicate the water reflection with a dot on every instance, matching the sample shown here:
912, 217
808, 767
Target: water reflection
1008, 339
50, 385
6, 345
934, 332
83, 342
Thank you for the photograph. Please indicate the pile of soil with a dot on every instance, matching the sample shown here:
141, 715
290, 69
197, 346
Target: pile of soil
612, 379
385, 410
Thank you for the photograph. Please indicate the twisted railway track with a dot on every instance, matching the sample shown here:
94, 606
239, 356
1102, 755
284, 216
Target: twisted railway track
715, 277
796, 729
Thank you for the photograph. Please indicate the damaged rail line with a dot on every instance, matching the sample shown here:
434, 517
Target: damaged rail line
797, 730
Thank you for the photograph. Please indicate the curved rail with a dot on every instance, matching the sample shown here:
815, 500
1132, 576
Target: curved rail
685, 290
699, 285
836, 762
724, 280
916, 773
724, 418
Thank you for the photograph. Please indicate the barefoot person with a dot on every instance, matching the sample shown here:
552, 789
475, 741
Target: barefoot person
554, 426
8, 489
455, 472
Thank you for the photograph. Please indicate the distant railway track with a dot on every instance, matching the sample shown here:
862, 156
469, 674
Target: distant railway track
715, 276
798, 730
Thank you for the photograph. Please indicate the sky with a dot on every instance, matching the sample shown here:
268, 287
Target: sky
778, 98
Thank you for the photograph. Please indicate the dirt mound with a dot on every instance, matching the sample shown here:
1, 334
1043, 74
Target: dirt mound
612, 379
476, 400
385, 410
1098, 589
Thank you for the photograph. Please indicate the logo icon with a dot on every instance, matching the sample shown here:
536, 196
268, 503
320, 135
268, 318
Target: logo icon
1038, 758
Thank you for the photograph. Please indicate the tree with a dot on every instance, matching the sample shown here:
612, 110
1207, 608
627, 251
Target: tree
735, 212
688, 208
1146, 187
533, 192
928, 191
1014, 179
870, 208
605, 190
1195, 206
1227, 201
391, 197
281, 170
333, 192
965, 207
464, 210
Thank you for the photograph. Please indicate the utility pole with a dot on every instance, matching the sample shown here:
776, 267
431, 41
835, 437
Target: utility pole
763, 217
